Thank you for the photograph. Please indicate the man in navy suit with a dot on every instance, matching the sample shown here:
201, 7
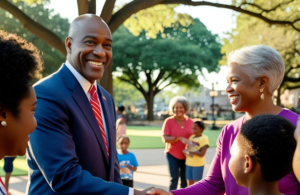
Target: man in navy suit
73, 149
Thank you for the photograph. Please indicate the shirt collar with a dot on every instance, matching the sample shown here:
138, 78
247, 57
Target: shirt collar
85, 84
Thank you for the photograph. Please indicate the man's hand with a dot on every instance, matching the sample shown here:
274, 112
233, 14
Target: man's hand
158, 191
137, 192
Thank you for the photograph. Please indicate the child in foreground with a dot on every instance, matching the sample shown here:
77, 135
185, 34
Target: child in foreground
296, 160
262, 154
127, 161
195, 152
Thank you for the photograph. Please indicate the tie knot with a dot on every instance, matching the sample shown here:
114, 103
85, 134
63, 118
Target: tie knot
92, 89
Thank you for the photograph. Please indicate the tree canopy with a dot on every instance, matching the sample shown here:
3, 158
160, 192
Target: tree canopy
176, 56
279, 12
52, 58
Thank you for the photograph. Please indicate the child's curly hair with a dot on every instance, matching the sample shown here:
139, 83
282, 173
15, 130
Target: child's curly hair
269, 140
20, 61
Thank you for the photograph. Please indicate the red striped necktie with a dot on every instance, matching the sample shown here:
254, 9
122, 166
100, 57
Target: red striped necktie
97, 112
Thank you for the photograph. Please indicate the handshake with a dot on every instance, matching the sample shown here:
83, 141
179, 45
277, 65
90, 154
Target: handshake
152, 191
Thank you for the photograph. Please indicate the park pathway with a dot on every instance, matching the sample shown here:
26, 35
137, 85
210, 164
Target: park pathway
152, 171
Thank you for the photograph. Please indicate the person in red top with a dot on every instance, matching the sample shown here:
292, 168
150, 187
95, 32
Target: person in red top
177, 126
19, 63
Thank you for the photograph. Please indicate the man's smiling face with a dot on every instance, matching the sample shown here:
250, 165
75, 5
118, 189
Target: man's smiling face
89, 46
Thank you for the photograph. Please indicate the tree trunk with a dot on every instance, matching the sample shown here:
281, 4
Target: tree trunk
86, 6
278, 101
150, 102
106, 81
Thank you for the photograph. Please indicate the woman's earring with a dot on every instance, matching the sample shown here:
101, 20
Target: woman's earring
262, 96
4, 123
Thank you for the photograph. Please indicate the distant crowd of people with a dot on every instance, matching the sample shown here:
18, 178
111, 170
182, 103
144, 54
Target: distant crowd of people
66, 123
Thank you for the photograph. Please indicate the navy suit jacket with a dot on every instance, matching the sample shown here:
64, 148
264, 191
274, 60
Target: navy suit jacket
66, 153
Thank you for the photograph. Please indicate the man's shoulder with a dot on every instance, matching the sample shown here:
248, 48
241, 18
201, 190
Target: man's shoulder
49, 81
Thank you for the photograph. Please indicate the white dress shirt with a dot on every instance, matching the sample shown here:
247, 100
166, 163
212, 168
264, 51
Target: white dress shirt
85, 84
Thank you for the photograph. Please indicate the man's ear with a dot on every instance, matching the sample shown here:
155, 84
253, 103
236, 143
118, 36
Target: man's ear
264, 82
68, 44
248, 166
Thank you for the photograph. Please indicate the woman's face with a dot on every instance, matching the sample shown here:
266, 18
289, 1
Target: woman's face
243, 94
179, 110
14, 136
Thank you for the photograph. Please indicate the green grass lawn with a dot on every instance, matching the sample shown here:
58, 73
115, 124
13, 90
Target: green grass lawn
148, 142
148, 138
20, 167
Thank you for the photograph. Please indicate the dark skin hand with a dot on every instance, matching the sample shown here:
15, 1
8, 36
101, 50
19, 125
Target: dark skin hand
169, 139
131, 167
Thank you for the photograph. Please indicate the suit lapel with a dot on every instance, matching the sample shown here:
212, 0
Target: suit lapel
84, 104
105, 108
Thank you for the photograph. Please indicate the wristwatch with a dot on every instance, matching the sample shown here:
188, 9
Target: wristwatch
187, 152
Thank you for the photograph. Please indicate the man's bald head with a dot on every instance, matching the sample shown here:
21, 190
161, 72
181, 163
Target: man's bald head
83, 20
89, 46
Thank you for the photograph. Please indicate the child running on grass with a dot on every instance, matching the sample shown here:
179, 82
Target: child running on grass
195, 152
127, 161
262, 154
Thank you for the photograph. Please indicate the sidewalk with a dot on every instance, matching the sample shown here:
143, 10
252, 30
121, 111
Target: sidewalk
152, 171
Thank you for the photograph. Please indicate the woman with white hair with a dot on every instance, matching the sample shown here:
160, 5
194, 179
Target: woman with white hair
177, 126
254, 74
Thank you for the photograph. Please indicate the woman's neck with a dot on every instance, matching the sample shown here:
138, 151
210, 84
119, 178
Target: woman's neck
263, 107
179, 118
264, 188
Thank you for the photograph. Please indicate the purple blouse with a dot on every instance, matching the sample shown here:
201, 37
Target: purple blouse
219, 179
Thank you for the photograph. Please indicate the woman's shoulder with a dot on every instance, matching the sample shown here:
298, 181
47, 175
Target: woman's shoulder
169, 119
290, 115
235, 123
233, 127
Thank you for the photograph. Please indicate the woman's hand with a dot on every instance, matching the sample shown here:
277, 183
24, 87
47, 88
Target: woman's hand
169, 139
297, 131
158, 191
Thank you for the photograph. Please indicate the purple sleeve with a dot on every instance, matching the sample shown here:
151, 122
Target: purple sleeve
213, 183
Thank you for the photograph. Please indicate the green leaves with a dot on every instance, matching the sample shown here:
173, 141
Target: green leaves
179, 53
52, 57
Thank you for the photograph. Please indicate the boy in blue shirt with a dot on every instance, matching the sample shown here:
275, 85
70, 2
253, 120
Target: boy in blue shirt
127, 161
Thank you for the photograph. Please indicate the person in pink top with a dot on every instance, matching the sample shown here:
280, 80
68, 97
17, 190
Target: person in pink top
177, 126
255, 72
19, 63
